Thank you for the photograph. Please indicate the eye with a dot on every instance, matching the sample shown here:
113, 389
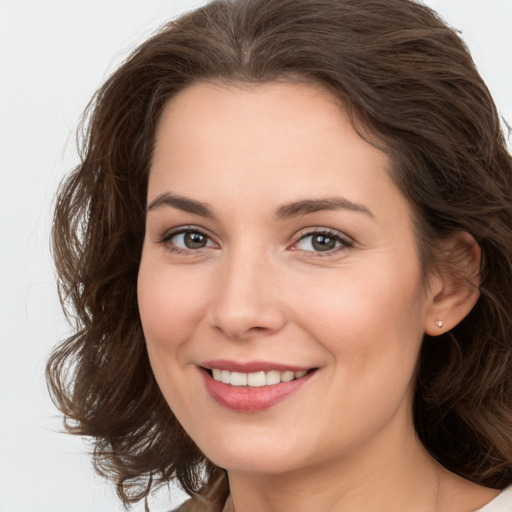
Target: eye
322, 241
187, 240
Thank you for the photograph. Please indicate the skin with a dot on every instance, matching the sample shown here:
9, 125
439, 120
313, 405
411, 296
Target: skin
259, 290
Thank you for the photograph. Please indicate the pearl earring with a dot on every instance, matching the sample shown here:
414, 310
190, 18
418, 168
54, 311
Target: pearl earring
439, 323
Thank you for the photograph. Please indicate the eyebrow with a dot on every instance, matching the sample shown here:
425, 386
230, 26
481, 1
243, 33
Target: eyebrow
284, 212
306, 206
181, 203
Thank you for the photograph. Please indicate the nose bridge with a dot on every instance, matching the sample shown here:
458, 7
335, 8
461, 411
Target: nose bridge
246, 299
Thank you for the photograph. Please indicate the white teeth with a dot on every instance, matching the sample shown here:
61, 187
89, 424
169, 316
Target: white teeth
287, 376
272, 377
255, 379
238, 379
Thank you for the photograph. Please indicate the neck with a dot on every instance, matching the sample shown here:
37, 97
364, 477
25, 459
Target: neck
386, 476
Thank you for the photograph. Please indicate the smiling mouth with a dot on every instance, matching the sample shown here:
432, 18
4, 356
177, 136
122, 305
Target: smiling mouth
260, 387
255, 379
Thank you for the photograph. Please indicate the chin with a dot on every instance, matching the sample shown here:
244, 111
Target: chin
256, 463
248, 455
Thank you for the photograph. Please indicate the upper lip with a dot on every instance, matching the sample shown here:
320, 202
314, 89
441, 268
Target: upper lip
251, 366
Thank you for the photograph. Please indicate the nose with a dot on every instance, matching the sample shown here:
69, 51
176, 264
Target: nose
247, 301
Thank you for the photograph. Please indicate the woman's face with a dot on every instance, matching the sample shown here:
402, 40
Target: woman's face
277, 248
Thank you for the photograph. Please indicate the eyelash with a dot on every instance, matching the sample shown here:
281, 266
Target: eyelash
167, 237
343, 242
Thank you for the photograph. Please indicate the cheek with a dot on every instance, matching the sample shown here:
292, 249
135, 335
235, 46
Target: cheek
170, 309
367, 319
169, 300
371, 327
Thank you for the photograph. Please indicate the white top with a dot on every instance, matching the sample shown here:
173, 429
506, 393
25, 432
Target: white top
502, 502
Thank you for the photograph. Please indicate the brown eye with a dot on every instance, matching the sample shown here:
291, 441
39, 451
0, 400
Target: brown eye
189, 239
194, 240
321, 242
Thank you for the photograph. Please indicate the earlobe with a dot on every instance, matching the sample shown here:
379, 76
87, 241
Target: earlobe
455, 288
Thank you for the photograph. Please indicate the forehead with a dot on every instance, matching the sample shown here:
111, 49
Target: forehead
259, 124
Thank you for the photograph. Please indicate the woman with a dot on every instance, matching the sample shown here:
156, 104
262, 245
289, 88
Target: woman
289, 249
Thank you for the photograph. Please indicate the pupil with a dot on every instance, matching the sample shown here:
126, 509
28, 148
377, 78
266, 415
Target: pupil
194, 240
324, 242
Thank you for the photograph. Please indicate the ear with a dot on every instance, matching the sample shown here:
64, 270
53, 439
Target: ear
454, 289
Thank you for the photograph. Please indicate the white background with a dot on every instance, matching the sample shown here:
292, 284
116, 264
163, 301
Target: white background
53, 55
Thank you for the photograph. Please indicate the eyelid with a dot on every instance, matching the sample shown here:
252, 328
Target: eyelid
346, 242
170, 233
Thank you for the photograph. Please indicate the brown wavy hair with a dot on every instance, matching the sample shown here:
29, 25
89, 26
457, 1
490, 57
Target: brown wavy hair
409, 81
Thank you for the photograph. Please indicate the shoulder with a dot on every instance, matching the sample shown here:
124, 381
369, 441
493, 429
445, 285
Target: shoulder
502, 502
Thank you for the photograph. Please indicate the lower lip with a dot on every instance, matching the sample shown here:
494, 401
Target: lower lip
247, 399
